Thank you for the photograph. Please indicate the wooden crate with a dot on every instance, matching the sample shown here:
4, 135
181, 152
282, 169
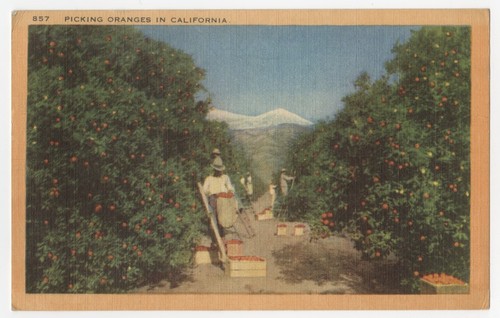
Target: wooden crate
267, 214
281, 229
431, 288
246, 266
205, 255
234, 247
298, 229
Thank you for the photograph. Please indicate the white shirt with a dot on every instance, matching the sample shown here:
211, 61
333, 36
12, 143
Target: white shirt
283, 179
215, 185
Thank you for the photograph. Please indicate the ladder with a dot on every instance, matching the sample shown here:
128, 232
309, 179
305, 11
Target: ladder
245, 220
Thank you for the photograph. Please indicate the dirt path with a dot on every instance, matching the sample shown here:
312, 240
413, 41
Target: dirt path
294, 265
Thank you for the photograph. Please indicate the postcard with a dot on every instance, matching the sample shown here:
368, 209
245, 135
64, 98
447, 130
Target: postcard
250, 159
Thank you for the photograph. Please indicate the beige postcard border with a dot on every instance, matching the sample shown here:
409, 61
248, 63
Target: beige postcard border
480, 184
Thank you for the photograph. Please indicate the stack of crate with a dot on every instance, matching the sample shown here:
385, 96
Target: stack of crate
240, 265
234, 247
266, 214
282, 229
205, 255
299, 229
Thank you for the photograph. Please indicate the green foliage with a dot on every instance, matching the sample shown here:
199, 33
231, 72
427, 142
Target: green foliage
393, 167
116, 141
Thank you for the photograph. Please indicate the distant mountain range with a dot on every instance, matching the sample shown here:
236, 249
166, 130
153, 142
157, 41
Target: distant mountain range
265, 139
273, 118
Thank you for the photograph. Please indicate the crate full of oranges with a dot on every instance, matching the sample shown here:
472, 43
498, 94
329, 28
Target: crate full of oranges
442, 284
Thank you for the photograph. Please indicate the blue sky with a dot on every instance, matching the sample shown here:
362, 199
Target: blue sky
304, 69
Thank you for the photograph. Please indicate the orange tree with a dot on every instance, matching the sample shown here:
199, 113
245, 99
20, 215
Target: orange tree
393, 168
116, 140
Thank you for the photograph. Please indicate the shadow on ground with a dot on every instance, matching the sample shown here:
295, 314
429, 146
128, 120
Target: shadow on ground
171, 280
322, 263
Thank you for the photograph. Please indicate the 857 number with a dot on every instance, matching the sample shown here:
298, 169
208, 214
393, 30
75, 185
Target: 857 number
40, 18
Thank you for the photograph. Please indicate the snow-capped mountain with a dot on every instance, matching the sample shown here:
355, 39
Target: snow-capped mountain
270, 119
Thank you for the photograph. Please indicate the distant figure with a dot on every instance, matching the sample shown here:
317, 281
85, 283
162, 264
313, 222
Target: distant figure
272, 192
220, 192
249, 185
242, 181
284, 182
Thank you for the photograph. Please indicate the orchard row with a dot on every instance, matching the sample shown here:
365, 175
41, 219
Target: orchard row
392, 169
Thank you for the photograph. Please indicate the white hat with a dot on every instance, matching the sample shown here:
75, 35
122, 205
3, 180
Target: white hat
218, 165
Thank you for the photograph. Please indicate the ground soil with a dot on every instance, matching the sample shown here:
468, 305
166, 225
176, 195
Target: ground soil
295, 264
